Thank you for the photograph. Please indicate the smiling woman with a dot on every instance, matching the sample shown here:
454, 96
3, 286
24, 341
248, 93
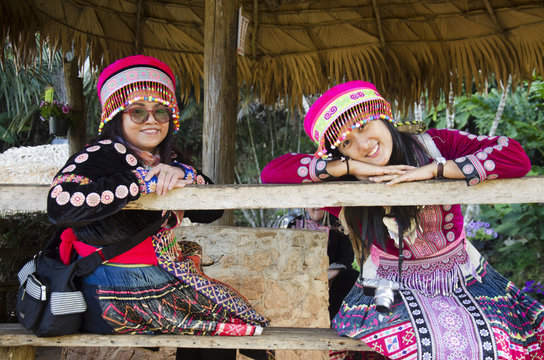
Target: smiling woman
424, 291
133, 156
145, 124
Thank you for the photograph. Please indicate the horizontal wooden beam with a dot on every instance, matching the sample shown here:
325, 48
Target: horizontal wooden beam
253, 196
271, 338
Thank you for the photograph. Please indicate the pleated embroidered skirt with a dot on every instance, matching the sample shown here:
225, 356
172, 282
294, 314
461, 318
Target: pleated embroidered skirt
485, 317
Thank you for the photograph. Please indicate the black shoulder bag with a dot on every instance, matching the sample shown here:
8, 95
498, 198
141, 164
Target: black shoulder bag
48, 302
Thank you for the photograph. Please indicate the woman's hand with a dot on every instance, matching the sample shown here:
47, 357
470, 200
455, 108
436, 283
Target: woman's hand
426, 172
420, 173
364, 171
168, 177
332, 273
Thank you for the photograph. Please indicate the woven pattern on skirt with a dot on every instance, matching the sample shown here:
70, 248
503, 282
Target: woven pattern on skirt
490, 319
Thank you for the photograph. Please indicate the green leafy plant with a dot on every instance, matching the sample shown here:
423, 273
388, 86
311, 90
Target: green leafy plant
56, 109
517, 252
50, 108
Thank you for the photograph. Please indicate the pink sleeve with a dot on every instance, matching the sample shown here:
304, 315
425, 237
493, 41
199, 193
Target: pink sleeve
294, 168
482, 157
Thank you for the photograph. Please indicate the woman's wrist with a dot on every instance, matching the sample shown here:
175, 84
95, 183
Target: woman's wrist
346, 161
438, 172
336, 168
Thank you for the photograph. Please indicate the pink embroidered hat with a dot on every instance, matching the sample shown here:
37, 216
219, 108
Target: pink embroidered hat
136, 78
343, 108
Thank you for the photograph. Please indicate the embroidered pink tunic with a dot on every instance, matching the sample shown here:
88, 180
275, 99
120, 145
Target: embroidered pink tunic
452, 301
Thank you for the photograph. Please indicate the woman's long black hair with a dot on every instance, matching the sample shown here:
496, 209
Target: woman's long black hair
369, 219
113, 130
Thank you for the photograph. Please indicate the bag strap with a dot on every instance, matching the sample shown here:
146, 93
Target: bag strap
87, 264
429, 145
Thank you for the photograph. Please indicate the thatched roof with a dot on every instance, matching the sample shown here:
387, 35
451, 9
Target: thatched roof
297, 47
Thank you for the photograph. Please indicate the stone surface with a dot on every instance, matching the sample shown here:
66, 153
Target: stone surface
281, 271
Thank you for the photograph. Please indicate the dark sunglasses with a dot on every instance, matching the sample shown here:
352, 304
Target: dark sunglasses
139, 115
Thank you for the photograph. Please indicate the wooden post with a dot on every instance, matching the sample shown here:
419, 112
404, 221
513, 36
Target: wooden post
74, 96
220, 93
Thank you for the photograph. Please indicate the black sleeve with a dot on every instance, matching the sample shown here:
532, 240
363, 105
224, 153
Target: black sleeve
95, 183
340, 250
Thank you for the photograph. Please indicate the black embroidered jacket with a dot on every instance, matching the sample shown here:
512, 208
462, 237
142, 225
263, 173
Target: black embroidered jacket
89, 193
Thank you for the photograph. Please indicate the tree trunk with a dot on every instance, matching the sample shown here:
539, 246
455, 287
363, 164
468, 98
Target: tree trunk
450, 110
220, 93
500, 108
77, 137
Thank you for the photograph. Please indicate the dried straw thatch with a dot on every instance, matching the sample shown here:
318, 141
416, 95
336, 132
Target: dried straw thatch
297, 47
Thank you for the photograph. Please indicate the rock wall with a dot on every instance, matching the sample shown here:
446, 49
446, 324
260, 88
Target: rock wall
282, 272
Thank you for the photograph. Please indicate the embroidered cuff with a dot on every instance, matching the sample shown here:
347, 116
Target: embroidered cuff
188, 170
146, 187
472, 168
318, 169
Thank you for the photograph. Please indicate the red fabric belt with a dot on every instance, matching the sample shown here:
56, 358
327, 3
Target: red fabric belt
143, 253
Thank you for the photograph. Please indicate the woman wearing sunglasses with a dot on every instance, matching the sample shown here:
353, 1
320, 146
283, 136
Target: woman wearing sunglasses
157, 286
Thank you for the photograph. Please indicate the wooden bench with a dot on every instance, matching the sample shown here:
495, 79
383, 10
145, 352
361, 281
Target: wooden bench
13, 337
20, 344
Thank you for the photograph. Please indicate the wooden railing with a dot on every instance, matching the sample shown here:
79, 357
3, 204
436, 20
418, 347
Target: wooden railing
431, 192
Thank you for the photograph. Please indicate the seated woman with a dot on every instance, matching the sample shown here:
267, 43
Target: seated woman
446, 301
157, 286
